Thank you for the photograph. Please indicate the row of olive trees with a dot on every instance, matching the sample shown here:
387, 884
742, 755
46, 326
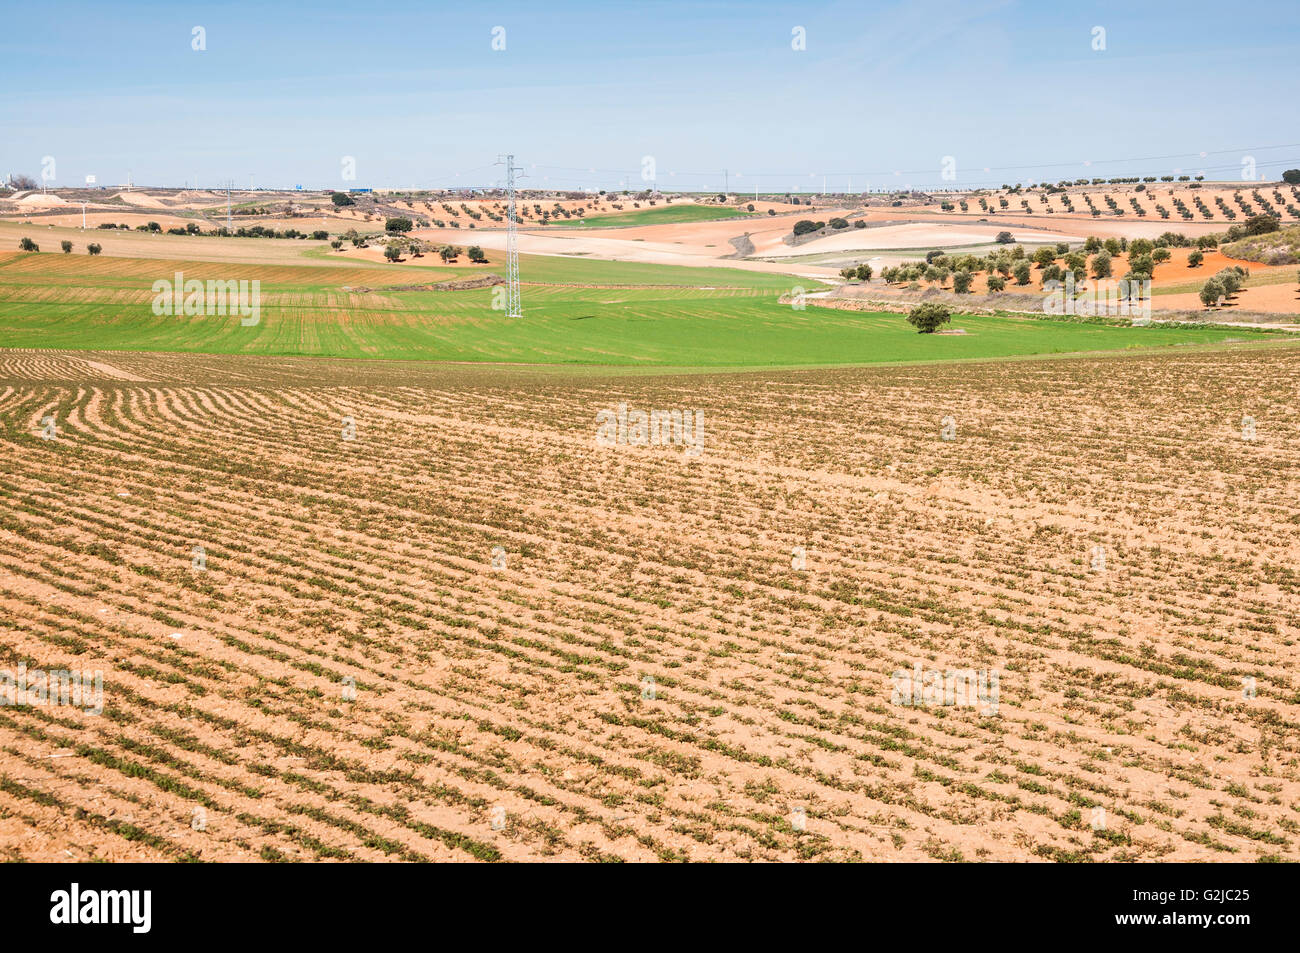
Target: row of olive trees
26, 244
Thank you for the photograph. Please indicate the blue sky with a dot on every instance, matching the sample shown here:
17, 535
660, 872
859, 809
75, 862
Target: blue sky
416, 94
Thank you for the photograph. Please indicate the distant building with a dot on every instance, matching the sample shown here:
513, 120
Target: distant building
360, 190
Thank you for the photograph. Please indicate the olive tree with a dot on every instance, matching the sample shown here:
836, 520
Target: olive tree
926, 318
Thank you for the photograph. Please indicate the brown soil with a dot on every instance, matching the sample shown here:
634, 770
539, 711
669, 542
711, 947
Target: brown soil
522, 689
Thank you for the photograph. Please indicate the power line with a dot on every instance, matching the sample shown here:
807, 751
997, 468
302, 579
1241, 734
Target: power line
514, 308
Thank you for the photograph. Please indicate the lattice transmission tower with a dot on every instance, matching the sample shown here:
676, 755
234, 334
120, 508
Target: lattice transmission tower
513, 307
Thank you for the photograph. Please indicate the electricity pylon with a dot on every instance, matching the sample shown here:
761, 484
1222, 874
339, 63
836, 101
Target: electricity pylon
513, 308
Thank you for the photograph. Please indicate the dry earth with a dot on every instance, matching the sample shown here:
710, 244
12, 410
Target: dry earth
505, 712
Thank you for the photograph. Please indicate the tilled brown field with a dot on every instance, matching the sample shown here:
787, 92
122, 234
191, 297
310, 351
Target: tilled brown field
472, 632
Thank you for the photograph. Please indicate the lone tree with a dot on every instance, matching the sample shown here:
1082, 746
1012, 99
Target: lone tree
93, 248
1291, 176
66, 246
393, 252
1005, 238
475, 253
1195, 258
28, 245
927, 317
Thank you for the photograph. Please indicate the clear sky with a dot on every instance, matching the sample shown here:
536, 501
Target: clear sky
417, 96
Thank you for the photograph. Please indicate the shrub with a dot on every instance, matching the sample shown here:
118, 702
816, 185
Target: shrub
475, 253
398, 225
1231, 278
1211, 292
860, 223
927, 317
1291, 176
66, 246
804, 226
1142, 263
393, 251
1195, 258
838, 223
997, 282
94, 248
320, 235
341, 198
1261, 225
936, 274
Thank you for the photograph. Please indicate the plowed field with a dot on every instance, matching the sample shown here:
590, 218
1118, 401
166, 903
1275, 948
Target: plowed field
470, 632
